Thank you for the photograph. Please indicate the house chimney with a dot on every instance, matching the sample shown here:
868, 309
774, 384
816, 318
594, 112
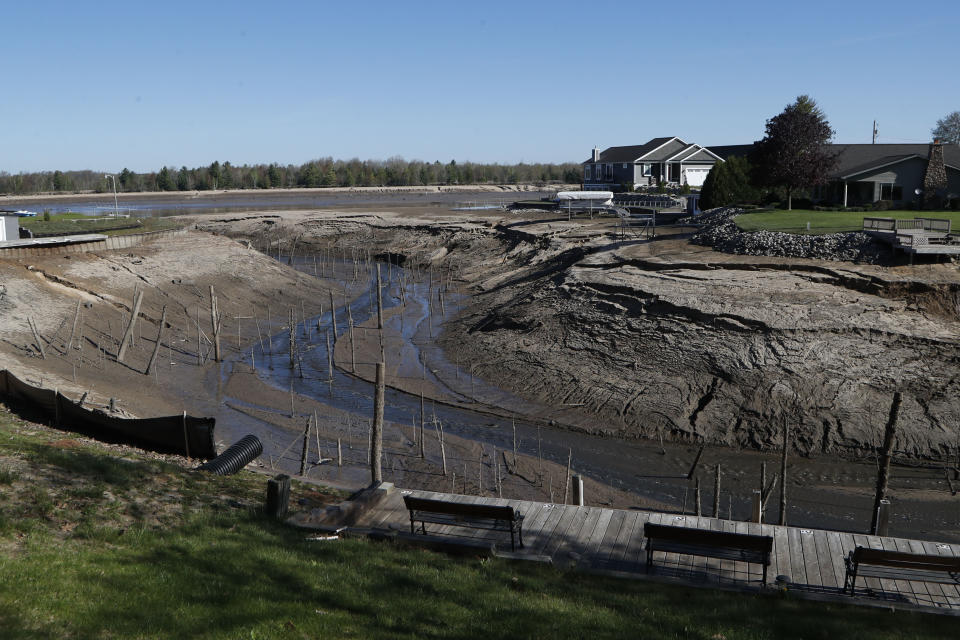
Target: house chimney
934, 178
596, 154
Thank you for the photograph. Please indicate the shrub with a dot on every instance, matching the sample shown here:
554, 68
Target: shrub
882, 205
802, 203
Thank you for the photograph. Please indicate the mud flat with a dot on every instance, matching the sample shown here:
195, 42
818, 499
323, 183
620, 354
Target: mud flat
561, 325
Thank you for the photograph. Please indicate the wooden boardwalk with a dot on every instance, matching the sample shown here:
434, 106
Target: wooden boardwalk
597, 538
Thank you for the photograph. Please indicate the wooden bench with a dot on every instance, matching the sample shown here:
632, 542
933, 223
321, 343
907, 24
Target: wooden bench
896, 565
713, 544
459, 514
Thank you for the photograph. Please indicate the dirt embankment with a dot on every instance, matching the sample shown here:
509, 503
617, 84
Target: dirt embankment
641, 339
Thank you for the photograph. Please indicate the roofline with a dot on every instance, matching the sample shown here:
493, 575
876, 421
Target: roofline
699, 147
658, 147
689, 147
881, 166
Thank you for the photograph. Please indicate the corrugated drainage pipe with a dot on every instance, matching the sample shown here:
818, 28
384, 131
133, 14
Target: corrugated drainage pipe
240, 454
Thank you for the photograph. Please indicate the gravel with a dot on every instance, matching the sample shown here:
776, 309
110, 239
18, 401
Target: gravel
719, 231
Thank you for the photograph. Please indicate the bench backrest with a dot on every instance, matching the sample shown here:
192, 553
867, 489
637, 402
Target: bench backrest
900, 560
459, 508
687, 535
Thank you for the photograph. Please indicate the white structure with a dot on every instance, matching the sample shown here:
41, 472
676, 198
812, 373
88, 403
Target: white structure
584, 198
10, 230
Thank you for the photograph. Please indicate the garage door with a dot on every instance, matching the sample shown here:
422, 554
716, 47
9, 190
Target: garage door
695, 177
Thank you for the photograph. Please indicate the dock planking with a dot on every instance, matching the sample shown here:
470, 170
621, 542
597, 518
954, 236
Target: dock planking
598, 538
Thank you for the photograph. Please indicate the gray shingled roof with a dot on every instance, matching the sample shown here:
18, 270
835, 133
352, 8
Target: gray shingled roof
629, 154
857, 158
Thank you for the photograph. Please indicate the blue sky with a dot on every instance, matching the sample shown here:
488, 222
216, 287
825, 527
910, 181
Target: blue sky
109, 85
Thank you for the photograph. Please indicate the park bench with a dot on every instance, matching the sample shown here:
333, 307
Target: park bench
459, 514
896, 565
712, 544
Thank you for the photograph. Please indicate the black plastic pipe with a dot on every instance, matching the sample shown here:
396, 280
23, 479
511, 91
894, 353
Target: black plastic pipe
240, 454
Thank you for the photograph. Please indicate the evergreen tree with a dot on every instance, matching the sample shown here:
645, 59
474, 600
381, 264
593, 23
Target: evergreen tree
183, 179
794, 154
164, 182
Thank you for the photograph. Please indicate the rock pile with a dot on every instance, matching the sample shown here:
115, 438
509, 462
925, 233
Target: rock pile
721, 232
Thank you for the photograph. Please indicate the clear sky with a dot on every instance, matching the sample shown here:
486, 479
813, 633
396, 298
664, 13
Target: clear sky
108, 85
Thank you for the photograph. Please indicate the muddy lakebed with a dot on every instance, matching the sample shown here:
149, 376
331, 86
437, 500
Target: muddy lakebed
492, 374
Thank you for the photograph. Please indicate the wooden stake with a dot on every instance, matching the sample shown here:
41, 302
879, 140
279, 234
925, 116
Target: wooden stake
697, 495
36, 336
783, 473
156, 347
333, 315
566, 484
138, 298
215, 322
76, 319
716, 493
339, 453
329, 358
303, 450
376, 473
883, 473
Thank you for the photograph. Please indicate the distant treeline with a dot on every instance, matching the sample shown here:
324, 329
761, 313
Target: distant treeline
325, 172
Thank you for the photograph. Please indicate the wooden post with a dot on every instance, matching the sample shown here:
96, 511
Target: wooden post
566, 483
278, 496
514, 422
376, 473
756, 506
333, 315
129, 331
697, 495
215, 323
578, 498
422, 415
56, 408
783, 473
443, 454
380, 312
883, 473
156, 347
303, 451
76, 319
339, 453
329, 357
480, 473
36, 336
186, 436
883, 518
716, 493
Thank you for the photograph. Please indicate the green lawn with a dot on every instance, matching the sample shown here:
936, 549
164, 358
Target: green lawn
827, 221
84, 554
76, 223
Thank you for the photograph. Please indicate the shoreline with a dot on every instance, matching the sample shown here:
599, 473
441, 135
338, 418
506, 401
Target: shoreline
298, 192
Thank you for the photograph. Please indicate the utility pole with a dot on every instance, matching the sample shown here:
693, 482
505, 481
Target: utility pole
875, 132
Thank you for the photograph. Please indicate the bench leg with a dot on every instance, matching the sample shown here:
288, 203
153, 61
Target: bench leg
764, 574
513, 547
412, 525
649, 556
423, 527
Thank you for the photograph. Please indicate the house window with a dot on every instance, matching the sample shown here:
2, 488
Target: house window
889, 191
609, 172
586, 172
645, 171
624, 166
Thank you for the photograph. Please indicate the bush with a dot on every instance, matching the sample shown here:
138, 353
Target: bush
883, 205
802, 203
955, 204
46, 216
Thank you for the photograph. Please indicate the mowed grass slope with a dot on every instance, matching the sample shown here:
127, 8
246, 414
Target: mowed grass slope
77, 223
156, 551
822, 222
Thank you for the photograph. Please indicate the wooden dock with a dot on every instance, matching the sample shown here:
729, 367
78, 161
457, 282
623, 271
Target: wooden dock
602, 539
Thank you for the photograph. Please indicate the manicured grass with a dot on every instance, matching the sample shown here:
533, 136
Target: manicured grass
218, 569
75, 223
827, 221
